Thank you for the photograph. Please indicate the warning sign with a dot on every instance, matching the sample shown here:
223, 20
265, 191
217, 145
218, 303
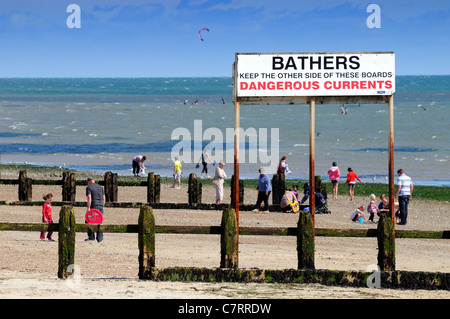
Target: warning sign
314, 74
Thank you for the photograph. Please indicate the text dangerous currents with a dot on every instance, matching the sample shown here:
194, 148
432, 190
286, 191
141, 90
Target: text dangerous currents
334, 74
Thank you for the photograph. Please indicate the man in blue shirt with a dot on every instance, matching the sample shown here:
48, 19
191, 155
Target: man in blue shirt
264, 190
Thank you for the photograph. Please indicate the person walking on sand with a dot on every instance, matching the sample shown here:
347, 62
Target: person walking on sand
176, 173
95, 196
203, 158
404, 193
334, 175
351, 181
218, 182
47, 215
264, 190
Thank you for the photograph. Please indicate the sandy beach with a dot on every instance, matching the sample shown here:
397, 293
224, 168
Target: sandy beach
28, 266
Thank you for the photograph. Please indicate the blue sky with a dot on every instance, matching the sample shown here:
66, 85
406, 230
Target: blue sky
158, 38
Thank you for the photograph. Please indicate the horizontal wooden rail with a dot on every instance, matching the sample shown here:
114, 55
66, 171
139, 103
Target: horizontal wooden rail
215, 230
198, 206
78, 183
387, 279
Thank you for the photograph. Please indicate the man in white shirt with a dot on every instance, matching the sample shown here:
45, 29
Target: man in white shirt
404, 194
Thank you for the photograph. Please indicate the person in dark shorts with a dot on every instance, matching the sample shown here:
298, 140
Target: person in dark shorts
95, 196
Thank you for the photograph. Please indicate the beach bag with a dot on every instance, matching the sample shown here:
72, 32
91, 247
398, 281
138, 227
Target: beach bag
295, 206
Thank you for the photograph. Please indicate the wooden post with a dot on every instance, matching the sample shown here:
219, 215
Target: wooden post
386, 225
278, 188
237, 119
312, 129
151, 188
275, 190
233, 192
66, 241
391, 158
69, 191
386, 243
111, 187
229, 251
157, 191
146, 241
305, 241
192, 188
25, 187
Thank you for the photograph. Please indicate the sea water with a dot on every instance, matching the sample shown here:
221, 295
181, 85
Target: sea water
100, 124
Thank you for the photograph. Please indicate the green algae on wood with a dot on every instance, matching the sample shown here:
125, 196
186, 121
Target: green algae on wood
66, 241
146, 241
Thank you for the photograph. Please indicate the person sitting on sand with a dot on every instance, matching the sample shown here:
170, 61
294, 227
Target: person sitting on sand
357, 214
383, 207
288, 199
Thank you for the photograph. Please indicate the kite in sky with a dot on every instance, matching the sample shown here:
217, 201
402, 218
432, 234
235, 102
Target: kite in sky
200, 33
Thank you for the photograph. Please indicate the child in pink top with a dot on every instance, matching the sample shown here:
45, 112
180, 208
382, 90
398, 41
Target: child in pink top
372, 208
47, 215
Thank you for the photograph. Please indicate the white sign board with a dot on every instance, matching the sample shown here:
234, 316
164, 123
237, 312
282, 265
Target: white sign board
314, 74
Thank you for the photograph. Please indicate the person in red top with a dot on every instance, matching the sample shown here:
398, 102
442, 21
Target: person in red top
47, 215
351, 181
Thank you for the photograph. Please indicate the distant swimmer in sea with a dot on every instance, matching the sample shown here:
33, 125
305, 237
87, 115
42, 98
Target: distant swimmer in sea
223, 101
195, 102
342, 109
185, 101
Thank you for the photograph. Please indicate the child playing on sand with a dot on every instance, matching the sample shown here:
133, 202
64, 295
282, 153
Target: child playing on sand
47, 215
358, 214
372, 208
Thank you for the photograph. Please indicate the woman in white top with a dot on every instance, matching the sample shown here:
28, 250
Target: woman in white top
218, 182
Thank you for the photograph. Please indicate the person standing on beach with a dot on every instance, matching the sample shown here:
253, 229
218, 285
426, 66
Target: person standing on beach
218, 182
334, 175
176, 173
264, 190
283, 167
47, 215
404, 193
204, 157
138, 164
351, 181
96, 199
